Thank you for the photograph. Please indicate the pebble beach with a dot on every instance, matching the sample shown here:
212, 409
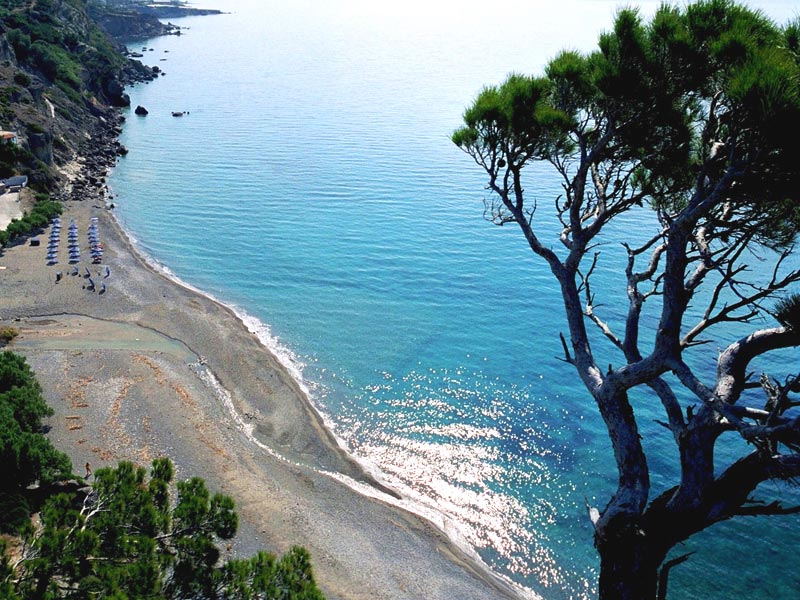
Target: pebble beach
151, 368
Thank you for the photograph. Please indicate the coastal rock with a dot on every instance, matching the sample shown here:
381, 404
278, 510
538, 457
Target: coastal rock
128, 24
141, 110
115, 92
41, 146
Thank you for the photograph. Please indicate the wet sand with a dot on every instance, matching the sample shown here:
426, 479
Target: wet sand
150, 368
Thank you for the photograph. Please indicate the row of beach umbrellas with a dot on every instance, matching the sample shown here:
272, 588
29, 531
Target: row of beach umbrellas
95, 247
52, 244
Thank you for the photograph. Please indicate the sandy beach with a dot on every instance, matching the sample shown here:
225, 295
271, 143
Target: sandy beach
151, 368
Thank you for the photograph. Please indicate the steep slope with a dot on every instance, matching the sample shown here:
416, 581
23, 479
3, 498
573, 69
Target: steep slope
61, 77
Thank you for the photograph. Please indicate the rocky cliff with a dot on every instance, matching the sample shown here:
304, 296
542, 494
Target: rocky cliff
61, 79
132, 20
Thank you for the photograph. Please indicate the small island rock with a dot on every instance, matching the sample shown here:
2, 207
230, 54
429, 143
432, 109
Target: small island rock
141, 110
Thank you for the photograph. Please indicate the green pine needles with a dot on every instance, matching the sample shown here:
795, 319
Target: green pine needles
128, 539
132, 535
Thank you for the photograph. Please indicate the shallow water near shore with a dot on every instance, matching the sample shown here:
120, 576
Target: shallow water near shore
312, 185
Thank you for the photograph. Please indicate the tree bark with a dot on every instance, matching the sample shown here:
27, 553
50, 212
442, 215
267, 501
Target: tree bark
629, 563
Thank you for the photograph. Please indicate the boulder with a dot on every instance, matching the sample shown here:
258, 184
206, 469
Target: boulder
141, 110
116, 93
41, 146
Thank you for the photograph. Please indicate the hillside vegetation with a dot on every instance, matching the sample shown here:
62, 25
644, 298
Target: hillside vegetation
60, 77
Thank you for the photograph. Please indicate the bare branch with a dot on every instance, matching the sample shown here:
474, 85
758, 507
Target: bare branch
567, 357
663, 574
761, 509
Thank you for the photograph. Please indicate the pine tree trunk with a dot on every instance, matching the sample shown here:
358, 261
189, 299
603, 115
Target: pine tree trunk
629, 567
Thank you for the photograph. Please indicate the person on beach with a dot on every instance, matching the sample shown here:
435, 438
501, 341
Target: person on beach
88, 471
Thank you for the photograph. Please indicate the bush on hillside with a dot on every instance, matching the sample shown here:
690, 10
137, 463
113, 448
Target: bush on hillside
42, 213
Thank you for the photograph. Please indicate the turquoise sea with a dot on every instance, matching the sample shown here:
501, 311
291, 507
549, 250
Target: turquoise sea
312, 185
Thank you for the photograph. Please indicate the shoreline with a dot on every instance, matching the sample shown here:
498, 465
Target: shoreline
137, 400
299, 389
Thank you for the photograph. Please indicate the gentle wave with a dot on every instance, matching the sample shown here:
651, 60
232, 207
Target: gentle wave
409, 498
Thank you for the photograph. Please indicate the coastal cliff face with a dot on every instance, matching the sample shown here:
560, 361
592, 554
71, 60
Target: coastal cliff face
133, 20
125, 21
62, 78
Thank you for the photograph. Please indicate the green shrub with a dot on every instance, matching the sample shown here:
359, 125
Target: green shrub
42, 213
153, 547
26, 456
22, 79
20, 42
35, 128
6, 335
16, 512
